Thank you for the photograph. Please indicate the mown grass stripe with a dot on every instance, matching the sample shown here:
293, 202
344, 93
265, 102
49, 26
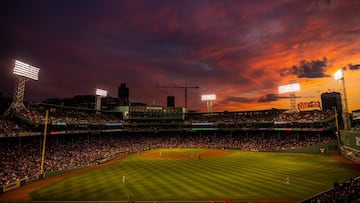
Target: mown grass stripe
154, 180
202, 178
224, 182
240, 175
188, 185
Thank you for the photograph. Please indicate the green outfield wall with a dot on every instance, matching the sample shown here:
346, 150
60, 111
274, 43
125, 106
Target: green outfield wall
328, 148
350, 139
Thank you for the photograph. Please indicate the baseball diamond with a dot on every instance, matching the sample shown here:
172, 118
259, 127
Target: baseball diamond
178, 175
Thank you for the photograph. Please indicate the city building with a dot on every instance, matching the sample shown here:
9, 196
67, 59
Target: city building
170, 101
85, 101
330, 101
123, 94
81, 101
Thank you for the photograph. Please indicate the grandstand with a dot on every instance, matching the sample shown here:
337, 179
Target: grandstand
81, 137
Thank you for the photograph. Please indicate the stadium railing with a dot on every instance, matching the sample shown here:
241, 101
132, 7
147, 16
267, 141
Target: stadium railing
313, 199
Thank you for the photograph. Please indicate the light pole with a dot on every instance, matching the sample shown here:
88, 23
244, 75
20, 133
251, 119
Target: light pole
23, 72
99, 93
291, 88
208, 98
339, 76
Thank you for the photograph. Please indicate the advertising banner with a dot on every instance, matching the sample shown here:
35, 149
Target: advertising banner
309, 106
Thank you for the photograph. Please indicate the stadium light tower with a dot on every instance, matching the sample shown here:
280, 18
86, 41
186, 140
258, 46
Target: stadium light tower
339, 76
208, 98
23, 72
99, 93
291, 88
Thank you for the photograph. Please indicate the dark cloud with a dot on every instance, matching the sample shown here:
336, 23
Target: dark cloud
269, 98
307, 69
272, 97
233, 99
230, 46
258, 73
354, 67
320, 5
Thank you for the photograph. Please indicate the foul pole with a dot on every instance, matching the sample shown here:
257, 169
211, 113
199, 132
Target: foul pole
44, 143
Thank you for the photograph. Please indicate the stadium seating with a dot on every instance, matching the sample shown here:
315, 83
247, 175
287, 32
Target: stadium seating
248, 130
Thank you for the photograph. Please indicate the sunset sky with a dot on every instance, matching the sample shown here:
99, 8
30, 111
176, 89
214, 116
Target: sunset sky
240, 50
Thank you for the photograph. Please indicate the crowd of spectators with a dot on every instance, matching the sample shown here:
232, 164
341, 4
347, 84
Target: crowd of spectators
269, 116
8, 127
305, 116
348, 192
90, 119
69, 116
253, 142
20, 157
31, 115
78, 117
265, 116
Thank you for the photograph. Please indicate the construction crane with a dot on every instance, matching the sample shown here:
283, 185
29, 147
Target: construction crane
185, 87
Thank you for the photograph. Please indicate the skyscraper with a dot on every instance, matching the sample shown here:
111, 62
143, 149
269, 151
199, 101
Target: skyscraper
330, 100
171, 101
123, 94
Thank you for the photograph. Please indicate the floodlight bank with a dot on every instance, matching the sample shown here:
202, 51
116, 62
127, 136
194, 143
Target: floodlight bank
295, 87
339, 74
208, 97
26, 70
101, 92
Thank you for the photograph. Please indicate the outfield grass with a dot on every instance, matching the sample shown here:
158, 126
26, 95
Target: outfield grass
179, 151
237, 175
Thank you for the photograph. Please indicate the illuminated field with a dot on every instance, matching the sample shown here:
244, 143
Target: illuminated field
180, 175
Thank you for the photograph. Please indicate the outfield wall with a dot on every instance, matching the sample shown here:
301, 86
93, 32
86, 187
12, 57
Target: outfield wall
328, 148
350, 144
350, 139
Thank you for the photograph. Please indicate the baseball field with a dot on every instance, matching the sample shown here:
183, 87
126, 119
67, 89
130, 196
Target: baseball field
200, 174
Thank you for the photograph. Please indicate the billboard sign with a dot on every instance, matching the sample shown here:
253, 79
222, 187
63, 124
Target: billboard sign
295, 87
26, 70
309, 106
